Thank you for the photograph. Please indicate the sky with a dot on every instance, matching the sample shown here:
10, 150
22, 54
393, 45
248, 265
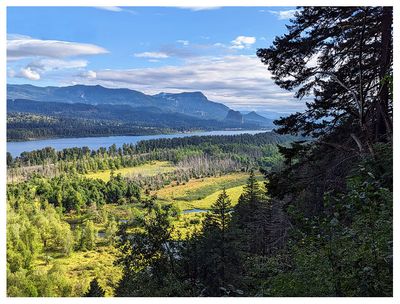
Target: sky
151, 49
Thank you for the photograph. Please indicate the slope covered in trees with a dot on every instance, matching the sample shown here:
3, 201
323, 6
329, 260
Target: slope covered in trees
320, 225
323, 227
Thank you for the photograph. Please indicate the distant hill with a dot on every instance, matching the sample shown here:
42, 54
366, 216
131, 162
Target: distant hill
189, 103
142, 116
255, 118
98, 110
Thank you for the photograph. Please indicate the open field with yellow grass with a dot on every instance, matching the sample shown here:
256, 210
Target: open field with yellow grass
148, 169
202, 193
82, 266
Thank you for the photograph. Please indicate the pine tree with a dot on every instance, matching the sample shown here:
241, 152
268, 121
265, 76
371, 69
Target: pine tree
343, 56
248, 200
220, 216
218, 258
95, 290
251, 219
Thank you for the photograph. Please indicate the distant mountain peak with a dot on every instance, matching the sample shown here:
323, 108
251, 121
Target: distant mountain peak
254, 117
235, 116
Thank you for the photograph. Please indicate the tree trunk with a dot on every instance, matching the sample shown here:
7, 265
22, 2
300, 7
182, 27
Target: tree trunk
383, 123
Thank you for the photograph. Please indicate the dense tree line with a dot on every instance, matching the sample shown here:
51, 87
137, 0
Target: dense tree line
225, 141
28, 126
74, 192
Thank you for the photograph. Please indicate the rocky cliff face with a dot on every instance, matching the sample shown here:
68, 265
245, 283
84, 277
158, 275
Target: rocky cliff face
234, 116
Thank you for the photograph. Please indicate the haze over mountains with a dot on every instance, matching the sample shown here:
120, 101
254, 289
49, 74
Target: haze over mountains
123, 107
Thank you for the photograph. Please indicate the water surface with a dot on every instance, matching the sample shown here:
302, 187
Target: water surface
15, 148
193, 211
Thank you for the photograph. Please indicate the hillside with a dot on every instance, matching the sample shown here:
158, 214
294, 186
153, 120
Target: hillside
189, 103
81, 110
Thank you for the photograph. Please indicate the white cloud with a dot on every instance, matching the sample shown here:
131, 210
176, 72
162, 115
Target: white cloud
242, 42
183, 42
89, 74
28, 73
157, 55
110, 8
219, 44
24, 47
237, 81
282, 15
200, 8
116, 9
56, 64
35, 69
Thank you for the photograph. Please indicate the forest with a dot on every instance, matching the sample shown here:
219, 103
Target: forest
302, 211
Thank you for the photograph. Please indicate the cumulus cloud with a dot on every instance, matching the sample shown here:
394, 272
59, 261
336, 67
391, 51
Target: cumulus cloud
35, 69
28, 73
283, 15
157, 55
25, 47
238, 81
241, 42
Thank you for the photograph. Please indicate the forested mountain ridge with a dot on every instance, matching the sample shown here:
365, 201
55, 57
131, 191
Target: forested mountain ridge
77, 119
129, 112
189, 103
142, 116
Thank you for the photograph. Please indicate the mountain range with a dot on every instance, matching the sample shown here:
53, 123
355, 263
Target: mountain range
174, 111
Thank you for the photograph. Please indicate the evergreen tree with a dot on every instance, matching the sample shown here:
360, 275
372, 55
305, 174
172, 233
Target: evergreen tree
343, 56
248, 200
95, 290
218, 264
251, 219
220, 215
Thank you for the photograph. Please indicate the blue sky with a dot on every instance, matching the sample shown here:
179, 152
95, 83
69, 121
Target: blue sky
151, 49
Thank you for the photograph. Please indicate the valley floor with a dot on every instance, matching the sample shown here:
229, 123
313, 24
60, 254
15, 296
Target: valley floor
193, 198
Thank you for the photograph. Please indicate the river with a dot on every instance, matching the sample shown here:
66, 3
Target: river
16, 148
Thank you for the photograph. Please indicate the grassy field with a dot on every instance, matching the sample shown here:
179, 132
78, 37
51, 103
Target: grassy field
202, 193
148, 169
81, 267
